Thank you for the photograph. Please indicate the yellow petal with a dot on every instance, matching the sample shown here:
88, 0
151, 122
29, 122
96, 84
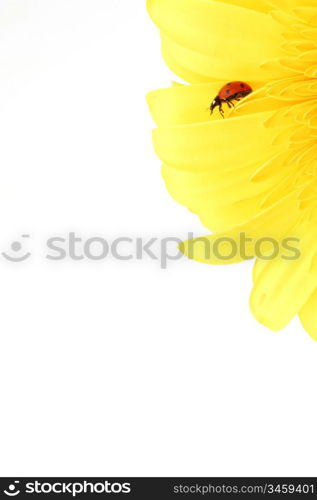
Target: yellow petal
189, 65
223, 198
205, 37
308, 315
306, 14
203, 145
290, 4
282, 287
259, 5
222, 218
183, 104
219, 249
274, 222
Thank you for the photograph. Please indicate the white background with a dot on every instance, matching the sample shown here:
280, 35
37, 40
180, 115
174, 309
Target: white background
121, 368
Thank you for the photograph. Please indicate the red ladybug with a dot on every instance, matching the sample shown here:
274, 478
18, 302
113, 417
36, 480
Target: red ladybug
233, 91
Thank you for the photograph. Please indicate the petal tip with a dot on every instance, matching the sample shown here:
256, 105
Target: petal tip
262, 313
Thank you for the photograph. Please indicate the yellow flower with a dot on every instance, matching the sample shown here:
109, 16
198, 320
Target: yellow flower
256, 171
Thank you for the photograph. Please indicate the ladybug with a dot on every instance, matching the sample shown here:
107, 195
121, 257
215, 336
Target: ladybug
232, 91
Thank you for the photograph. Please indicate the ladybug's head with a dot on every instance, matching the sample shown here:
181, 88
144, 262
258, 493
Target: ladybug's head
216, 102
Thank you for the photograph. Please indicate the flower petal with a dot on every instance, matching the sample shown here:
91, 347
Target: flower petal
274, 222
183, 103
191, 66
282, 287
259, 5
205, 37
223, 198
308, 315
223, 142
290, 4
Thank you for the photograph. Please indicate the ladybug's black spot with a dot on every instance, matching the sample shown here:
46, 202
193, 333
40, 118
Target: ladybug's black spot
242, 85
228, 91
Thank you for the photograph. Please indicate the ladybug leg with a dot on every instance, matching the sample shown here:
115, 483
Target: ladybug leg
221, 111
